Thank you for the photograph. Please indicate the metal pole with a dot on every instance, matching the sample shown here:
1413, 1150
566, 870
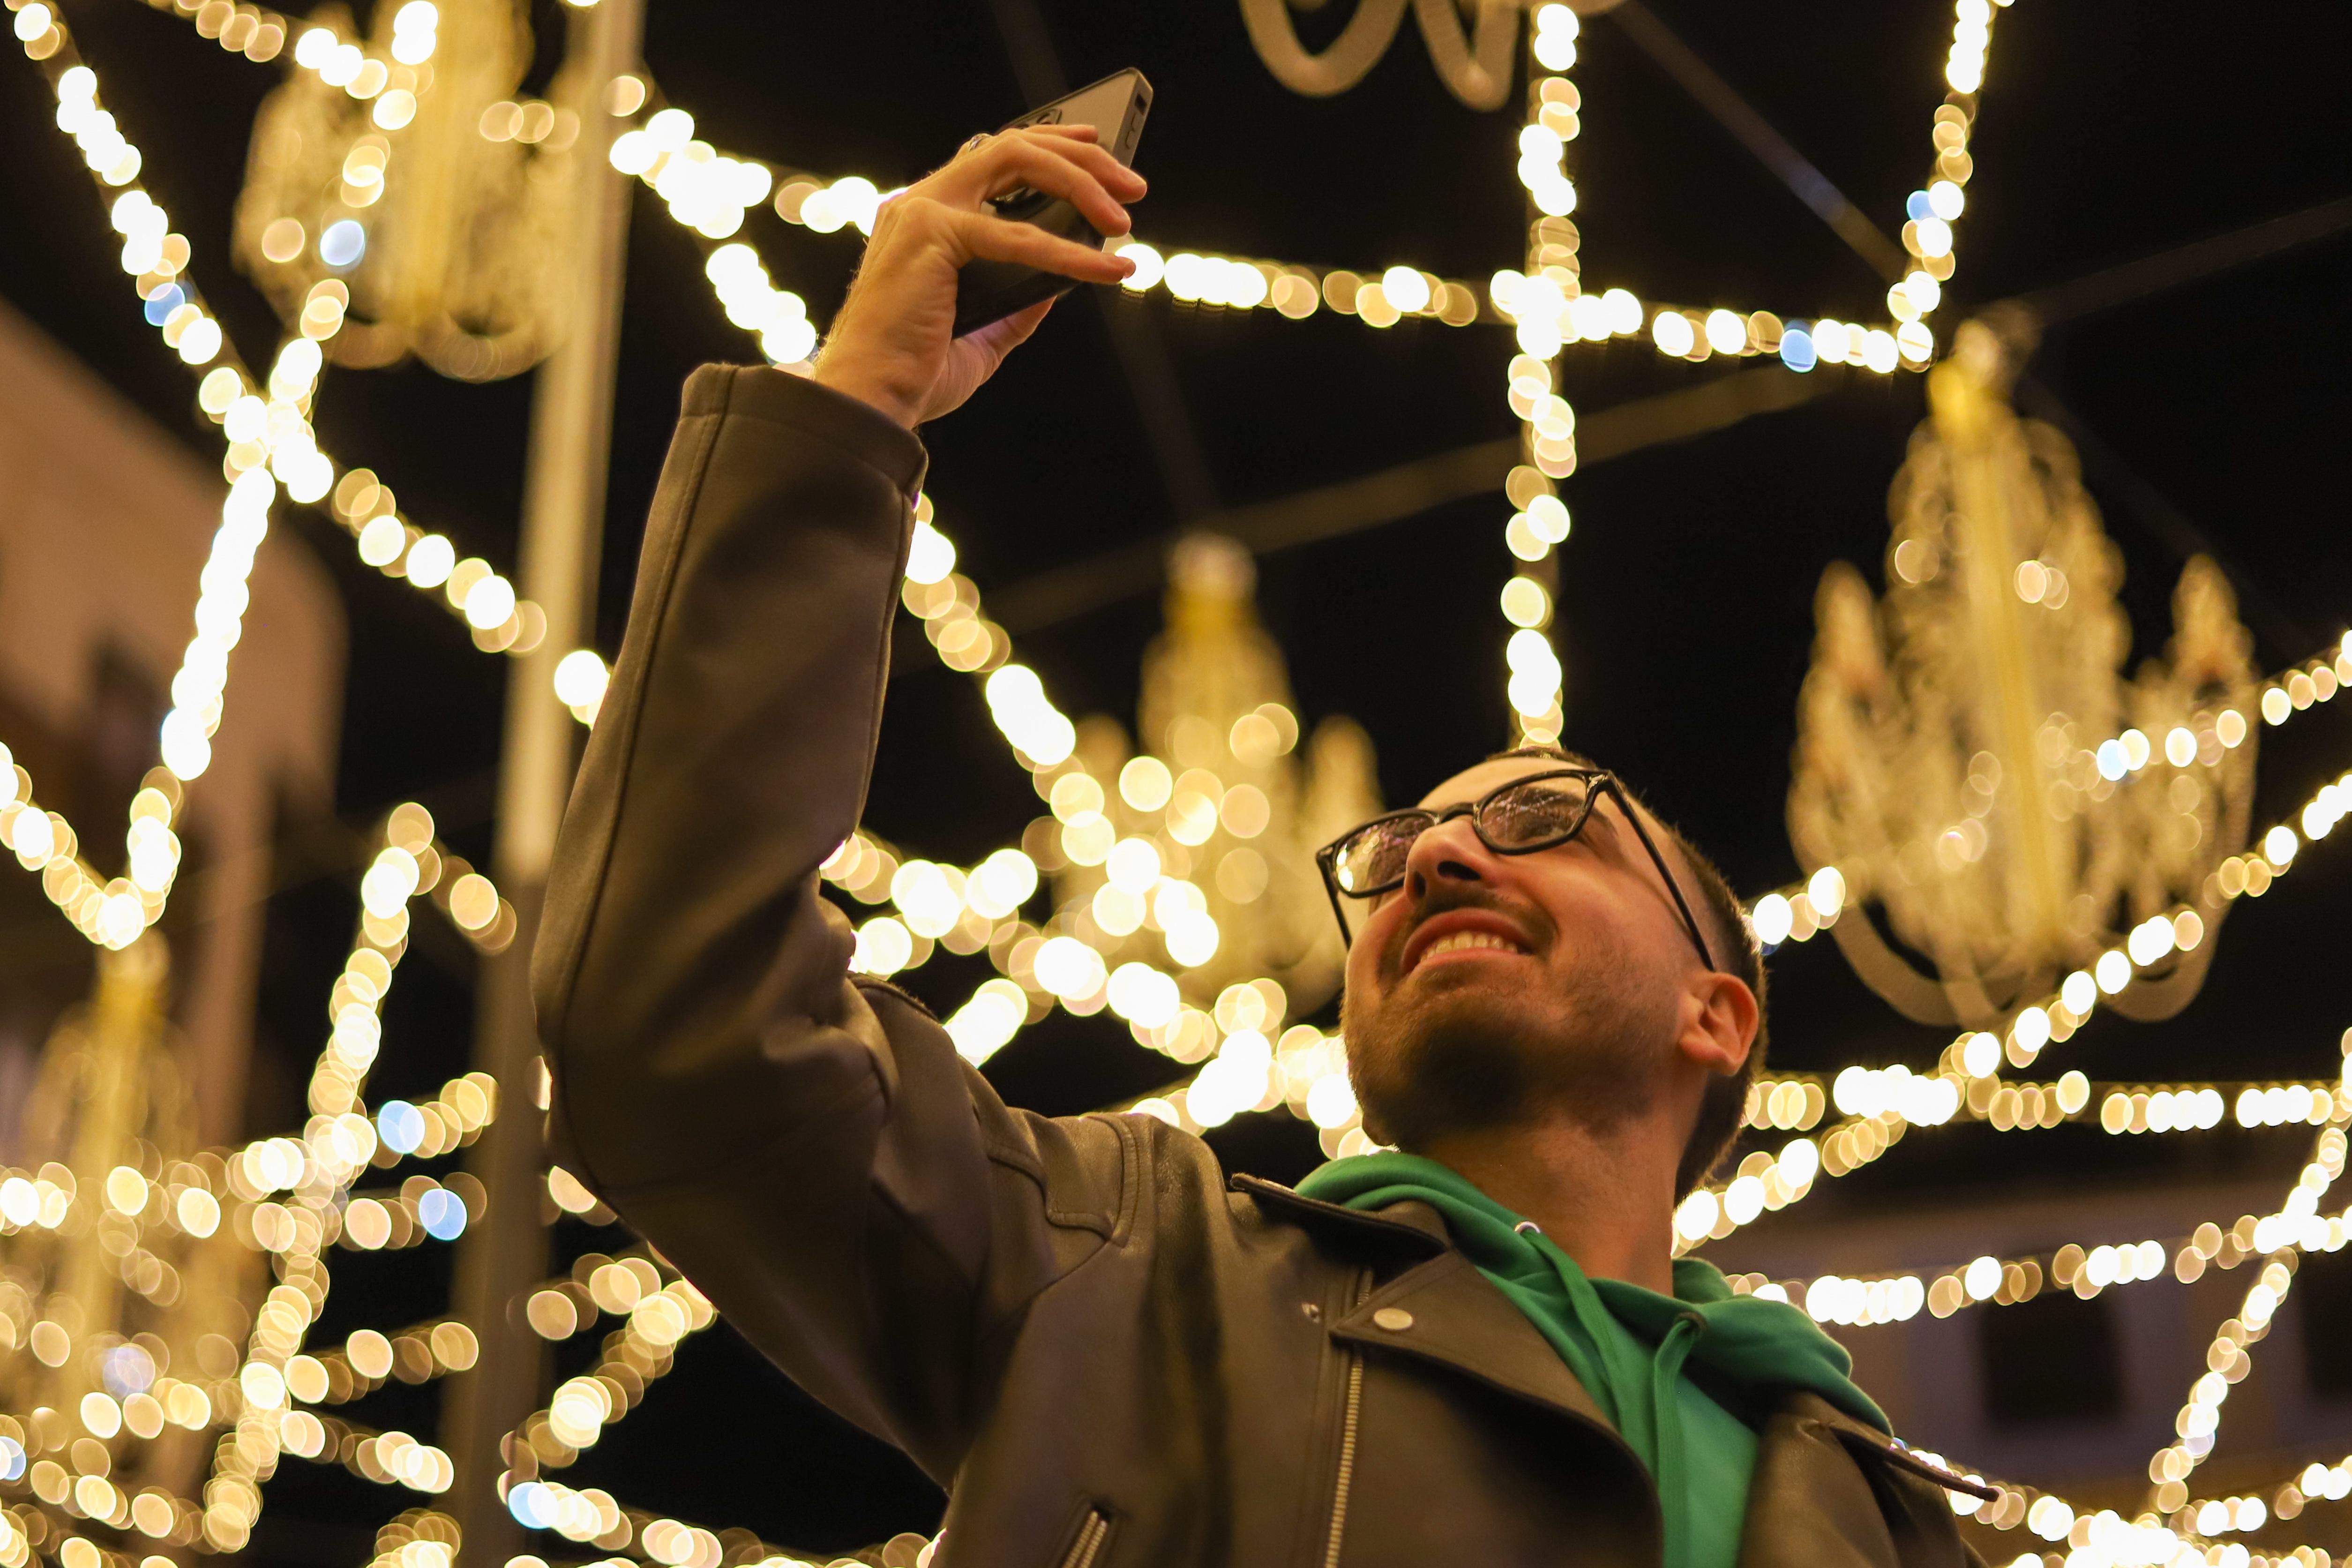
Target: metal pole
505, 1253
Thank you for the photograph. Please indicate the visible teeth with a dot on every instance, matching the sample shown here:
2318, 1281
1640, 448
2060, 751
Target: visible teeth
1464, 941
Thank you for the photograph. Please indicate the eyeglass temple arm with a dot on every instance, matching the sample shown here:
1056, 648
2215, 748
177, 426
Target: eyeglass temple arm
1690, 921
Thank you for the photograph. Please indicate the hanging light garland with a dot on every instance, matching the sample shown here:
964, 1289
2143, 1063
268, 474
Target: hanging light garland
1987, 1281
746, 290
365, 503
270, 444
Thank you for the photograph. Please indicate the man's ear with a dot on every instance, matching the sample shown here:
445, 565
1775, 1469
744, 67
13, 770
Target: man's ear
1718, 1023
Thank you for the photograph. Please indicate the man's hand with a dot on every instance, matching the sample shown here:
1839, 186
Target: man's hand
893, 344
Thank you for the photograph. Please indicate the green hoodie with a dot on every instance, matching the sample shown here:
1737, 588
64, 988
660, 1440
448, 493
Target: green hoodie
1627, 1346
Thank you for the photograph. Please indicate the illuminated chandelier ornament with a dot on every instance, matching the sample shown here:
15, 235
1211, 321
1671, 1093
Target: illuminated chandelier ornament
1995, 796
458, 260
120, 1279
1206, 846
1473, 59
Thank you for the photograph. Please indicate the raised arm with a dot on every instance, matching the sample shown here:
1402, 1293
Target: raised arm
809, 1150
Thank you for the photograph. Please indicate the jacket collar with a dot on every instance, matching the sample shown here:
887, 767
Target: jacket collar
1414, 1229
1457, 1316
1453, 1315
1832, 1492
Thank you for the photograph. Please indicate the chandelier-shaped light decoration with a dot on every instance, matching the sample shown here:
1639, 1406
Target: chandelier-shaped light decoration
425, 217
1208, 836
2002, 805
121, 1288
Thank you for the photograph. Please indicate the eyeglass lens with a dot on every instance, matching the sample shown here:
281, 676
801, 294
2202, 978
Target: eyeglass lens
1515, 818
1535, 812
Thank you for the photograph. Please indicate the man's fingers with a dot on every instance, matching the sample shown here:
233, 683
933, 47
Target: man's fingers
1099, 162
1001, 239
1049, 168
1067, 167
1089, 155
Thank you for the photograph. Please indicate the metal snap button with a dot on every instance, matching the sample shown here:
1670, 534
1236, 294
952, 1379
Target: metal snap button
1396, 1319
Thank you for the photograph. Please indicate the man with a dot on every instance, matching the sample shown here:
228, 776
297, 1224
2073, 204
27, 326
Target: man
1478, 1350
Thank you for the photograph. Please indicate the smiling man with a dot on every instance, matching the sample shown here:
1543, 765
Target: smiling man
1476, 1349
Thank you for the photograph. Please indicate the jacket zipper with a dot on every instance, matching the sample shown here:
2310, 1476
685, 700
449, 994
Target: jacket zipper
1347, 1458
1092, 1533
1350, 1415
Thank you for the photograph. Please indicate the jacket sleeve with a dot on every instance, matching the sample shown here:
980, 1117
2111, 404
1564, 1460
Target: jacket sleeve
808, 1148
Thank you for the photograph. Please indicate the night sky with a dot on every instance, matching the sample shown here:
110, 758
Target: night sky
2212, 418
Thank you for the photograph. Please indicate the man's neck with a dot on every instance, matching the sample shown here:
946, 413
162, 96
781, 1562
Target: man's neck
1604, 1199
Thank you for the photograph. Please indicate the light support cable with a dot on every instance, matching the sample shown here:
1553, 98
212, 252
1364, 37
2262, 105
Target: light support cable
324, 49
1929, 214
1380, 299
2317, 1482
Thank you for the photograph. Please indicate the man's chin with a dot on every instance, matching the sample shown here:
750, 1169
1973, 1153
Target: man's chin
1511, 983
1445, 1058
1435, 1017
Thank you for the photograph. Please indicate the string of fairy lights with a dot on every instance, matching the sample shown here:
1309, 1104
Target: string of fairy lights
700, 185
289, 1199
269, 444
1882, 1104
1304, 1069
269, 441
1899, 1296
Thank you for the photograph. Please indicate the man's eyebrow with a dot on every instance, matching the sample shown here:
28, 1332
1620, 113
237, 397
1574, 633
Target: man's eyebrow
1608, 823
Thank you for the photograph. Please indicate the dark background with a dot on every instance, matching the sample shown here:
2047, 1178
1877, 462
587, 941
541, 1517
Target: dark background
2215, 413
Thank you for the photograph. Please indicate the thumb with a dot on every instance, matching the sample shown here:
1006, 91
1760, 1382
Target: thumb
999, 339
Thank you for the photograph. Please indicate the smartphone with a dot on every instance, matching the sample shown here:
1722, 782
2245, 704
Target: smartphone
990, 291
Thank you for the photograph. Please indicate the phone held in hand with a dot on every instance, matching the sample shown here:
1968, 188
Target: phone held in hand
990, 291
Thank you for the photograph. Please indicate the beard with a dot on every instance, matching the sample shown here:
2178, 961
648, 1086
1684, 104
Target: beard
1458, 1048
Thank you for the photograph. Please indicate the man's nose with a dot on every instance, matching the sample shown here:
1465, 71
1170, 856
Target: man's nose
1450, 852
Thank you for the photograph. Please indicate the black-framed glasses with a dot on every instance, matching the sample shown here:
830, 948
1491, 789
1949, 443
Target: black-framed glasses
1541, 811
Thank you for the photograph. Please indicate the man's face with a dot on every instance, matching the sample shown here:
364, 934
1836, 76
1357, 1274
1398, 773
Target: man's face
1490, 989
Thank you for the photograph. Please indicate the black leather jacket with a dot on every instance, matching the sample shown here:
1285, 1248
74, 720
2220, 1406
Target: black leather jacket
1108, 1353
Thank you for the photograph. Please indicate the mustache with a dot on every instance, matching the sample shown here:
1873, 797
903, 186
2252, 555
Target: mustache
1444, 898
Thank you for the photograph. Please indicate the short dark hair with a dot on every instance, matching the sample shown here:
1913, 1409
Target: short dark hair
1732, 940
